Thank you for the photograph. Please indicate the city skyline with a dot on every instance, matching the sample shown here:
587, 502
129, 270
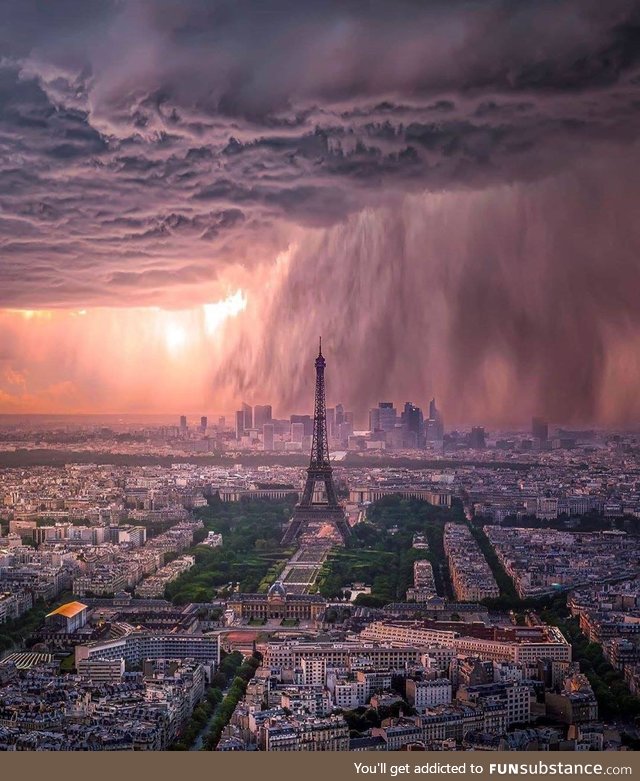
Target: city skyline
193, 419
320, 381
446, 190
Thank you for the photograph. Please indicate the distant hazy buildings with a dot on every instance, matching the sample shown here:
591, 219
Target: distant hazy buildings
435, 424
306, 421
247, 413
383, 417
540, 429
413, 422
389, 429
297, 433
407, 431
267, 436
477, 438
239, 424
331, 421
262, 413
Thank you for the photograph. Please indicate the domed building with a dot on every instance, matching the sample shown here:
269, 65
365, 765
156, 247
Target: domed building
277, 603
277, 590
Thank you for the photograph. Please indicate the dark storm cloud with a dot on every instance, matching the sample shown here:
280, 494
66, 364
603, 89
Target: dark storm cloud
147, 147
299, 112
503, 303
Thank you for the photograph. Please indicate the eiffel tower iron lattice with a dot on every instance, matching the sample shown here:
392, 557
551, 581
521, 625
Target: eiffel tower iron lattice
309, 516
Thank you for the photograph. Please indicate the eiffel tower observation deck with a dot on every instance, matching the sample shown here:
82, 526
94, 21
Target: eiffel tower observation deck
318, 521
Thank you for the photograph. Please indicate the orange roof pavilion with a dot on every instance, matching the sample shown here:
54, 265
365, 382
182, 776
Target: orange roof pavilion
69, 610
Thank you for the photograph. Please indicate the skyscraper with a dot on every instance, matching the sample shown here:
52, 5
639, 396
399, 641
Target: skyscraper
374, 419
262, 414
540, 429
183, 423
307, 423
267, 436
339, 414
297, 432
435, 423
203, 424
413, 423
345, 430
331, 422
247, 414
239, 424
477, 438
388, 415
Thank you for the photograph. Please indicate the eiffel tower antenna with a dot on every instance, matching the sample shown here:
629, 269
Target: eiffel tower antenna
307, 513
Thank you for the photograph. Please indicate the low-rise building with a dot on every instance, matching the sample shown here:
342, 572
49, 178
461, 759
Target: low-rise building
424, 694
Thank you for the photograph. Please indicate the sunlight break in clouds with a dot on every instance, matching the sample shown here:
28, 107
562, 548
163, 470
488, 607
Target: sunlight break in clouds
111, 360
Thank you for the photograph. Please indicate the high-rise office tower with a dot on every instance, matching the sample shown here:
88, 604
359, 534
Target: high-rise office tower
540, 429
388, 415
203, 424
477, 438
339, 414
281, 428
247, 413
374, 419
222, 422
345, 430
183, 422
261, 414
267, 436
297, 432
413, 423
240, 424
331, 422
306, 421
435, 423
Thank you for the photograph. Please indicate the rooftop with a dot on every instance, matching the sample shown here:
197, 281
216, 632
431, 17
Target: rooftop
69, 610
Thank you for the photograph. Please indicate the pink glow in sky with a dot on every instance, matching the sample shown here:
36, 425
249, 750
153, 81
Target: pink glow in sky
191, 193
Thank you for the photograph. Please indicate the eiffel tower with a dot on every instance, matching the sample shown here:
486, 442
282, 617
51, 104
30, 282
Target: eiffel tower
310, 518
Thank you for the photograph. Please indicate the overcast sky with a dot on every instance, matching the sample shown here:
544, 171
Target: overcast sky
447, 191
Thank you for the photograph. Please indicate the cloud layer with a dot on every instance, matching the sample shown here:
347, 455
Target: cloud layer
449, 181
504, 303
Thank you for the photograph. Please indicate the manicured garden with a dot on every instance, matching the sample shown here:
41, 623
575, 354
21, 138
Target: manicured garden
382, 555
250, 554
